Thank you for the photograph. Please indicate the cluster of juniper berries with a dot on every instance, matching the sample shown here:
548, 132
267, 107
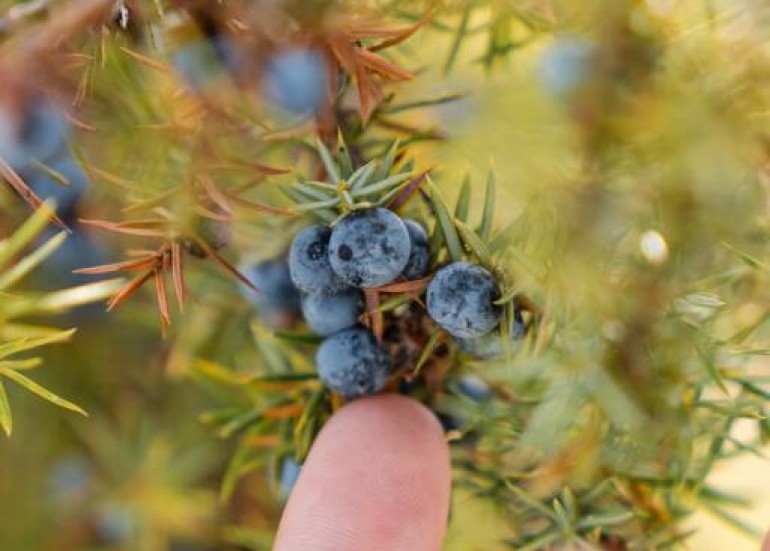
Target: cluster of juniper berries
329, 268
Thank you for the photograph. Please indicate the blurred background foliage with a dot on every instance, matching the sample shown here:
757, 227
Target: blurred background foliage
634, 199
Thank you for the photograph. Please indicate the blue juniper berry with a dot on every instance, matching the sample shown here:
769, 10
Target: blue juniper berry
419, 255
278, 300
461, 298
474, 388
369, 247
309, 263
352, 364
327, 314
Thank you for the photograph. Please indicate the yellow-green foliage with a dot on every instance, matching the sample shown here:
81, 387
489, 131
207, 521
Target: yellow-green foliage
627, 216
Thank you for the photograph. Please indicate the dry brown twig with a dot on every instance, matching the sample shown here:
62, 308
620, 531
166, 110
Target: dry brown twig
168, 257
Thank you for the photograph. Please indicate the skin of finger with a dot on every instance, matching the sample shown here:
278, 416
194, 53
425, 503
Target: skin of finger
378, 478
766, 545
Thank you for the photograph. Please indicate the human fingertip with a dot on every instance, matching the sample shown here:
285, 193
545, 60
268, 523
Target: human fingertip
378, 477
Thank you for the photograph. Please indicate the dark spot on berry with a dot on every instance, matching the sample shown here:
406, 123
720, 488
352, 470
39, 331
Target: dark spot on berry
371, 247
309, 262
387, 249
316, 250
345, 253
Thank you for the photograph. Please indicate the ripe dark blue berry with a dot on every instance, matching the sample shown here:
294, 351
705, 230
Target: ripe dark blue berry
328, 314
309, 262
461, 300
491, 346
369, 248
419, 255
352, 364
66, 193
278, 300
296, 80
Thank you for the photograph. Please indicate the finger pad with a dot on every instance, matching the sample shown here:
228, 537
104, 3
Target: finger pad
378, 477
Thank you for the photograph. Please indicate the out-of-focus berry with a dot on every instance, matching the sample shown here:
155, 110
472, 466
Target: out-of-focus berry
567, 65
328, 314
296, 80
419, 255
278, 300
204, 61
474, 388
461, 300
352, 364
69, 478
227, 51
369, 248
309, 263
35, 135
